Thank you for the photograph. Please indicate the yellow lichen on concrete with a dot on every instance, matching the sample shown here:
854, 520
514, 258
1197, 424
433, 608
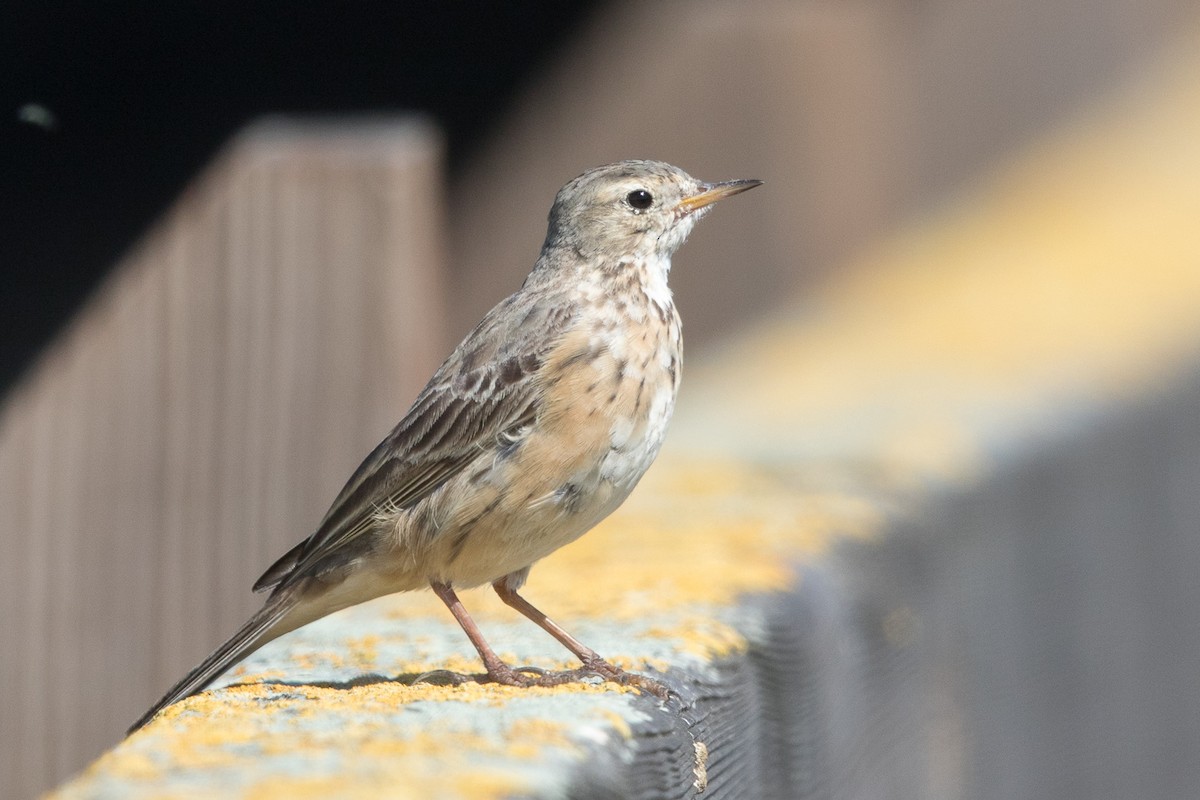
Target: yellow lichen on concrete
365, 649
701, 635
397, 773
203, 735
427, 764
618, 724
132, 765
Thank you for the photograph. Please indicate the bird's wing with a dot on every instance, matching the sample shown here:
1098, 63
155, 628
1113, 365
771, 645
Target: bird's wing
486, 387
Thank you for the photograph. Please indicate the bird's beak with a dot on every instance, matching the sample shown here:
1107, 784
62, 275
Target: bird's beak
714, 192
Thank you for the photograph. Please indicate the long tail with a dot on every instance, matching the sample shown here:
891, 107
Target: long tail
260, 629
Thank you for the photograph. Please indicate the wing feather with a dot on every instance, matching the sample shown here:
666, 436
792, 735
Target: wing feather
488, 386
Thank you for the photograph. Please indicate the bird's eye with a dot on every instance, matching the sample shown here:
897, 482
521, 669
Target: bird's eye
640, 199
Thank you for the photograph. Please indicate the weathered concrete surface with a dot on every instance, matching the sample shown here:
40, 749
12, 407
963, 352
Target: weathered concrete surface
784, 560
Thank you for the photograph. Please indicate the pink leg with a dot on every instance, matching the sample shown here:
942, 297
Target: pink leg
592, 661
497, 670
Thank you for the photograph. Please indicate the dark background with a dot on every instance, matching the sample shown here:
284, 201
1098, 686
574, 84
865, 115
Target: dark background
142, 94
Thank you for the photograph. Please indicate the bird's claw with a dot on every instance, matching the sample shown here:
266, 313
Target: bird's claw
613, 673
537, 671
646, 685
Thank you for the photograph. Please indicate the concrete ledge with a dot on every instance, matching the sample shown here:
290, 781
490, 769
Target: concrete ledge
932, 534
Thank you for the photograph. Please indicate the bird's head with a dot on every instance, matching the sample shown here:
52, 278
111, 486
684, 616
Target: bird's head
642, 209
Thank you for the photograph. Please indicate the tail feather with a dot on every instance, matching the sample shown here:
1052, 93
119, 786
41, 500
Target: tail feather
260, 629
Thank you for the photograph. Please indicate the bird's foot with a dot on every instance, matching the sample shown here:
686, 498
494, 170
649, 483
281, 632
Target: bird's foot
613, 673
536, 676
508, 676
599, 668
525, 677
502, 674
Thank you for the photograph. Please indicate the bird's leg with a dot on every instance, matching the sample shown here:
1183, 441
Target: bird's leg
592, 662
590, 658
497, 670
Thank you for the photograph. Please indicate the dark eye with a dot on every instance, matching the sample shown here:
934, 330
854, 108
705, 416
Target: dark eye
640, 199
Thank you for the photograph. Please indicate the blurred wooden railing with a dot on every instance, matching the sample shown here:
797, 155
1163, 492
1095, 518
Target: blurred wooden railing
198, 415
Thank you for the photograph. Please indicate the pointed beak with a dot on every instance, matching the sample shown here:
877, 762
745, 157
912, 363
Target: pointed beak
714, 192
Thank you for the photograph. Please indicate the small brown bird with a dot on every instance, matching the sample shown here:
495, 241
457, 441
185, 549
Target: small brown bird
534, 429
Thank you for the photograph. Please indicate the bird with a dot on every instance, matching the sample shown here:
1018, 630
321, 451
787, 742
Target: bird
534, 429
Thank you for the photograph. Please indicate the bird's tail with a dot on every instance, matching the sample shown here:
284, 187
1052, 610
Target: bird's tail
263, 627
